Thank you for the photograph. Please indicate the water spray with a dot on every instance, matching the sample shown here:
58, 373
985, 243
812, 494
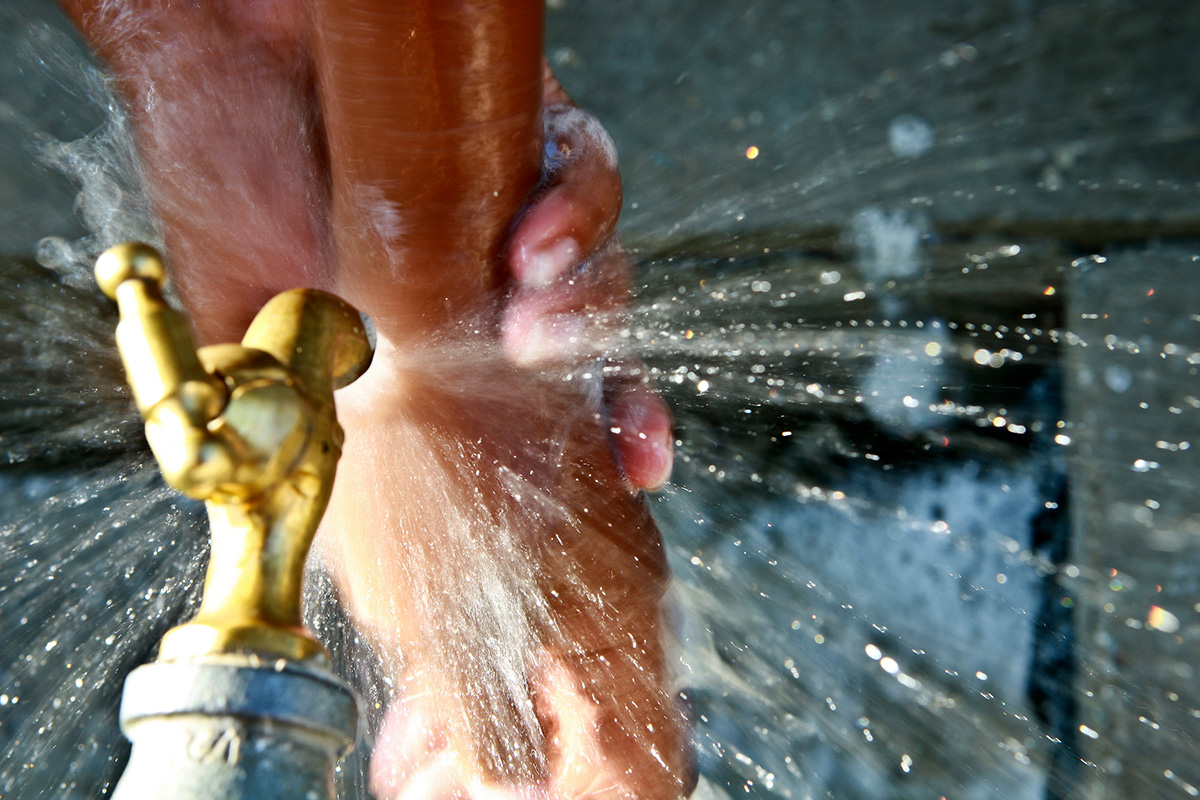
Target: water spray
241, 701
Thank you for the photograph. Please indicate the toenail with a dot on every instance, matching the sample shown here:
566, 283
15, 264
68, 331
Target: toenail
549, 262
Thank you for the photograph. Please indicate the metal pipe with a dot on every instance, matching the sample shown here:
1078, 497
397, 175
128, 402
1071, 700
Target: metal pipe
228, 727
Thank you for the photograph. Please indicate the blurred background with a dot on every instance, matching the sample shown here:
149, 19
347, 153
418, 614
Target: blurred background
919, 281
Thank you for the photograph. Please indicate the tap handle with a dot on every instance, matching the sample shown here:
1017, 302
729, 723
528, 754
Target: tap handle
175, 394
155, 343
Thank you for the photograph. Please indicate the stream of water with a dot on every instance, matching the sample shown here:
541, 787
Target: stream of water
931, 336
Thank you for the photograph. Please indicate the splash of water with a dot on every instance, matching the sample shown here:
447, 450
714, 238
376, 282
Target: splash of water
879, 402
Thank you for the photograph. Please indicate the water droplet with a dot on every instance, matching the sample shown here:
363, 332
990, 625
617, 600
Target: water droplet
909, 136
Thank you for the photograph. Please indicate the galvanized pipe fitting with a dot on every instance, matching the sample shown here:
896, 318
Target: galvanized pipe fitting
229, 727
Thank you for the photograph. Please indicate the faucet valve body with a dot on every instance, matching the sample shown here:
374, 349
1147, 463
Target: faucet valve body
251, 430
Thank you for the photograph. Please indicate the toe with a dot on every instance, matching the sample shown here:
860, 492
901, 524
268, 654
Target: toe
640, 424
579, 209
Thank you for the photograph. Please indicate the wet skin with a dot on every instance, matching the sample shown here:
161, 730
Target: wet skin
485, 528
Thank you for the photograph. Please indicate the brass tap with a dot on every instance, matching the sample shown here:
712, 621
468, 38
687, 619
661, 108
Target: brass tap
251, 430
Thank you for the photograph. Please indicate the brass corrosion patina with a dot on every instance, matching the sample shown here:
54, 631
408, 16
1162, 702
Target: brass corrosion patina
248, 428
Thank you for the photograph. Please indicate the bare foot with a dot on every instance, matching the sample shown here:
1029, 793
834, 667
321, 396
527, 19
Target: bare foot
482, 529
483, 532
